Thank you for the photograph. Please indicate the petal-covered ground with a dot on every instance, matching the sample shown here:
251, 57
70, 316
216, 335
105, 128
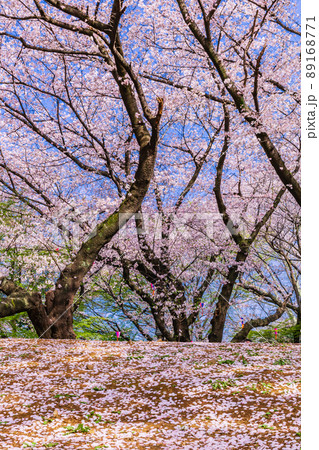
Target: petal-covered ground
95, 395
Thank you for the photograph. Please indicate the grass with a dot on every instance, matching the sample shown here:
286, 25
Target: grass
97, 417
219, 384
282, 362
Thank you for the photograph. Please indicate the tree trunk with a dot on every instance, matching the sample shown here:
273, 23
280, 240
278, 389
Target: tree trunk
50, 320
54, 319
40, 319
254, 323
181, 330
220, 313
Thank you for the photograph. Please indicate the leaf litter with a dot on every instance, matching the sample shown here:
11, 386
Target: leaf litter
67, 394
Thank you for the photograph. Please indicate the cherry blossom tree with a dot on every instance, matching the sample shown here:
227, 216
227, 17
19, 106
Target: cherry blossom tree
175, 303
53, 116
240, 67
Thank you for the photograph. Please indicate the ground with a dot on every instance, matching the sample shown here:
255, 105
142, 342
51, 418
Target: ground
96, 395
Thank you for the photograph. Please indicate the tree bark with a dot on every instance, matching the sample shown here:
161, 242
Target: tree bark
20, 300
223, 301
57, 313
297, 333
244, 244
181, 329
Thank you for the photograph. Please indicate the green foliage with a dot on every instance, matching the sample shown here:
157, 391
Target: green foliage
30, 267
64, 395
244, 360
98, 302
264, 425
97, 417
266, 387
285, 333
17, 326
251, 352
46, 421
98, 313
25, 263
253, 387
268, 415
135, 357
226, 361
93, 327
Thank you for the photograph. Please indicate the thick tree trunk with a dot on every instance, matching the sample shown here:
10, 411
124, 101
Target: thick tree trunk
297, 333
40, 320
180, 326
52, 327
56, 318
220, 313
160, 322
218, 321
